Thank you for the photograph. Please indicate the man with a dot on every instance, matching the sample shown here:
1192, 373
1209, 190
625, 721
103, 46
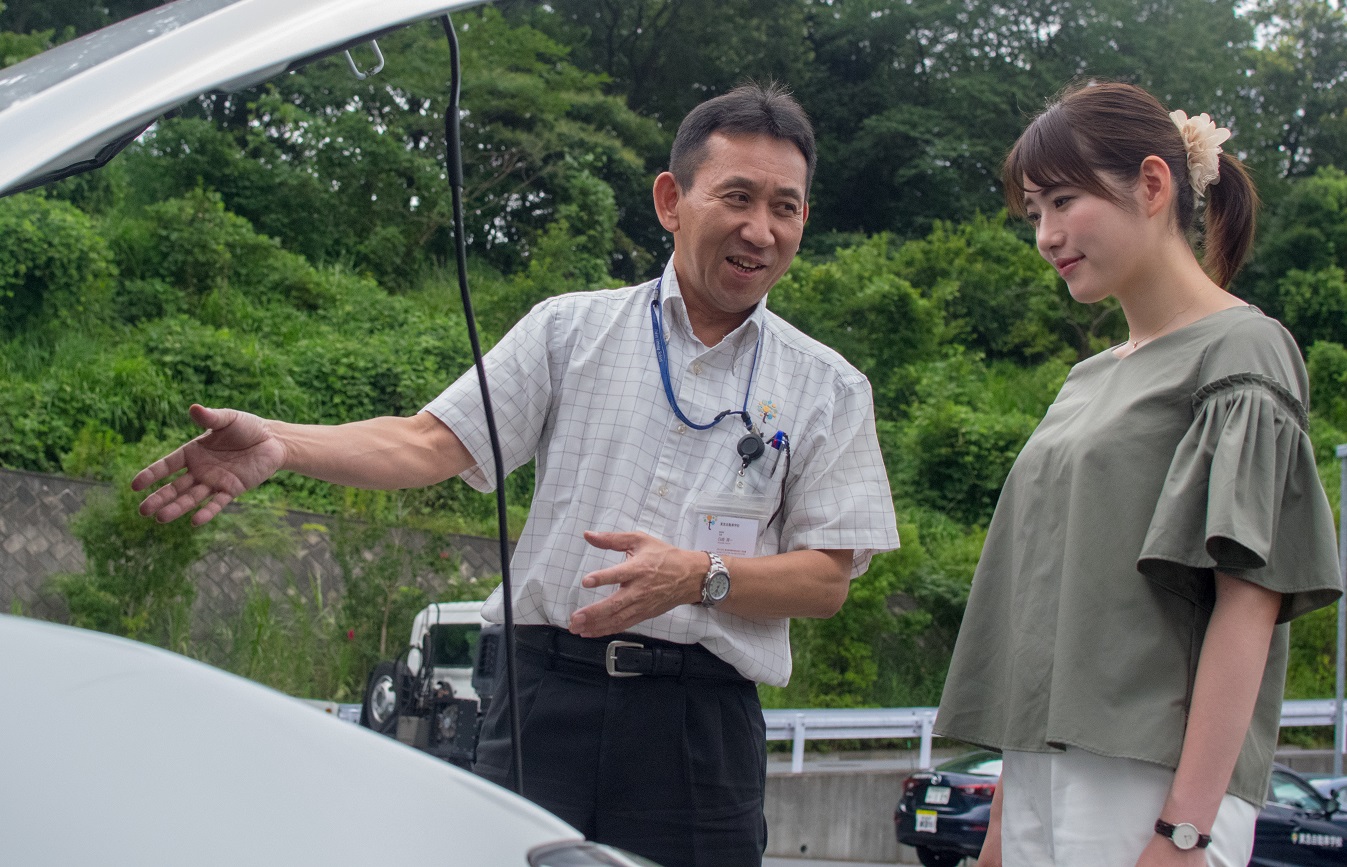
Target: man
704, 473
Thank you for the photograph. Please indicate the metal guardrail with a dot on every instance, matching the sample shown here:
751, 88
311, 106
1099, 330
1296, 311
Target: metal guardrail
799, 726
867, 723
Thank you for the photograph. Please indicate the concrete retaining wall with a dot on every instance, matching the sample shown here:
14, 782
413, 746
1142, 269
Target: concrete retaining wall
835, 816
35, 544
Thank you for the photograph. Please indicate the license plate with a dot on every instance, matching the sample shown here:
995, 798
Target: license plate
937, 794
926, 821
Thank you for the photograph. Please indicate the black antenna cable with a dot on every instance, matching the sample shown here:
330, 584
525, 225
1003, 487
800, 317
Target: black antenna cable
454, 158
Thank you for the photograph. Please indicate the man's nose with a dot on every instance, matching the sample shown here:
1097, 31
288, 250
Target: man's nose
757, 228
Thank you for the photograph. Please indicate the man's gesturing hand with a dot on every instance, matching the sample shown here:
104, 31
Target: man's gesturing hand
235, 454
655, 578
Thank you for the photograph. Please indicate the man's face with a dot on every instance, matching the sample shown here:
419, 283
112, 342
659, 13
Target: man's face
736, 229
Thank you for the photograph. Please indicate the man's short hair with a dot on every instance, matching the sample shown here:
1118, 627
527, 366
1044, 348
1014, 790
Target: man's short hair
750, 109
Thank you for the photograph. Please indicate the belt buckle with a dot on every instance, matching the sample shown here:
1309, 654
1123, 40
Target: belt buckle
610, 658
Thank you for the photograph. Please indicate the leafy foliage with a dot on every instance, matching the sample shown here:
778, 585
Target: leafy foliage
136, 581
53, 266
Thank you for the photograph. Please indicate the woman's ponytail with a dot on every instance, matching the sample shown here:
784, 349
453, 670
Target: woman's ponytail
1232, 206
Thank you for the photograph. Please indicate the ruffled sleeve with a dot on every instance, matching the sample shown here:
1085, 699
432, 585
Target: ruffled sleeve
1242, 495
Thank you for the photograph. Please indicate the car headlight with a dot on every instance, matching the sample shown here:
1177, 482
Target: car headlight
584, 854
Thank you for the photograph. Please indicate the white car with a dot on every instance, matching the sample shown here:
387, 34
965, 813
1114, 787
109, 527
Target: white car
117, 753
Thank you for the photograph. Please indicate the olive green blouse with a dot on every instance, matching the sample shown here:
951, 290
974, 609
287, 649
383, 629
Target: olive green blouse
1088, 607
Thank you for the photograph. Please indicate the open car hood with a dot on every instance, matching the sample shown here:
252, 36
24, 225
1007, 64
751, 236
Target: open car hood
76, 106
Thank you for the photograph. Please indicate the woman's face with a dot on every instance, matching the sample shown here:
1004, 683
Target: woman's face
1091, 241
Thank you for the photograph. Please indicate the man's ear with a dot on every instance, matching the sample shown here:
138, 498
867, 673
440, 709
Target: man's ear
666, 195
1156, 185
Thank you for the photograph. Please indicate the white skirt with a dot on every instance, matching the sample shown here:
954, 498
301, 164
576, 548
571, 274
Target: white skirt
1076, 808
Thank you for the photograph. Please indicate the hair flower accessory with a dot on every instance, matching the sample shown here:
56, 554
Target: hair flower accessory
1202, 140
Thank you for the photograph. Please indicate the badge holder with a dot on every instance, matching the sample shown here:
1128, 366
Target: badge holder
730, 524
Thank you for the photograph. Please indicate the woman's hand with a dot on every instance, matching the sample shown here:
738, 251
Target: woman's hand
1160, 852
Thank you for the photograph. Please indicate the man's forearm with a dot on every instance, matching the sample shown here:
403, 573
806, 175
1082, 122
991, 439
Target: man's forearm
794, 584
656, 577
386, 453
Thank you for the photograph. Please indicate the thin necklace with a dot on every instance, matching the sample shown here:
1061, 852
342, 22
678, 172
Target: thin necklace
1156, 333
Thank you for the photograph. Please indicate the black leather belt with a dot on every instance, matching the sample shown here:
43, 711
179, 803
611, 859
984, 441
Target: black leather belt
626, 655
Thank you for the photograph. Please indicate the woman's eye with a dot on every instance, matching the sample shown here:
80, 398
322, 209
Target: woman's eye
1061, 201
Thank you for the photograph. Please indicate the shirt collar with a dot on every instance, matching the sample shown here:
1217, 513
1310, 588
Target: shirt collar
676, 313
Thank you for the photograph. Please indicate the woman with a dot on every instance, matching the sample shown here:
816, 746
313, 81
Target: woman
1125, 640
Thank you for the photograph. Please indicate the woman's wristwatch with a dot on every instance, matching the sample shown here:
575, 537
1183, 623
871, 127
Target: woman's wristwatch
1182, 835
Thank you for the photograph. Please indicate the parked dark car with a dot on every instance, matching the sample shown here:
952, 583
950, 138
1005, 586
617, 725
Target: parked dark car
1298, 826
943, 812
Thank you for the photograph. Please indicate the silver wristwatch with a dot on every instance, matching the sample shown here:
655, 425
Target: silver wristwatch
716, 584
1183, 835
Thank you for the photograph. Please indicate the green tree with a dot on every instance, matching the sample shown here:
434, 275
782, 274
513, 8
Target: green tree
1302, 240
917, 103
860, 304
80, 16
15, 47
1298, 88
665, 56
353, 171
53, 265
1002, 298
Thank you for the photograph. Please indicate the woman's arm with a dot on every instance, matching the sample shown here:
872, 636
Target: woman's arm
991, 846
1229, 672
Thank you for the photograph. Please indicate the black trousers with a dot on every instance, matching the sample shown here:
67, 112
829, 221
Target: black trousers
671, 768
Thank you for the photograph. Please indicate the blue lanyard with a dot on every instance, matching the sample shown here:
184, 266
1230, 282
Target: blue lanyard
661, 353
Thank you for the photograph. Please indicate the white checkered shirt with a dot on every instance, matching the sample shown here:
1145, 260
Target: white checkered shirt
576, 385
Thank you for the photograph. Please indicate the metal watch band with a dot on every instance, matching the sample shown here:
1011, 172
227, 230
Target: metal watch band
716, 584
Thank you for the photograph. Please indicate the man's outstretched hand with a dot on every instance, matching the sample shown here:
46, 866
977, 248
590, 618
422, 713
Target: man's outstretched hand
236, 453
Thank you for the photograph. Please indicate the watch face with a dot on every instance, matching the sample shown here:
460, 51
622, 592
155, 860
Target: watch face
1185, 836
718, 586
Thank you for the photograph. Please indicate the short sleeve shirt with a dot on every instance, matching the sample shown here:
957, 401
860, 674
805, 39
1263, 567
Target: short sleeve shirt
1148, 473
576, 385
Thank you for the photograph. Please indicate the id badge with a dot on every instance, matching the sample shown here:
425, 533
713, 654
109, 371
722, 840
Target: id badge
730, 524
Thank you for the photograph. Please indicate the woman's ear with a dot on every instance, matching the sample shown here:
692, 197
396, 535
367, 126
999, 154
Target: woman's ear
1156, 185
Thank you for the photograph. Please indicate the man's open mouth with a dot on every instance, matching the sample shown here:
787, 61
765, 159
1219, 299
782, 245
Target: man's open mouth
744, 265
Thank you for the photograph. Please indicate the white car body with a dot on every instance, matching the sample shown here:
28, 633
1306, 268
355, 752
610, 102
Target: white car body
116, 753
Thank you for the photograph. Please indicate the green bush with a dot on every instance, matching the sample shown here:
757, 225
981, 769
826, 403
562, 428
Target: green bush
135, 582
54, 266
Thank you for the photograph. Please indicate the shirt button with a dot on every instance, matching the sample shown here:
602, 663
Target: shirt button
681, 428
663, 490
697, 369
